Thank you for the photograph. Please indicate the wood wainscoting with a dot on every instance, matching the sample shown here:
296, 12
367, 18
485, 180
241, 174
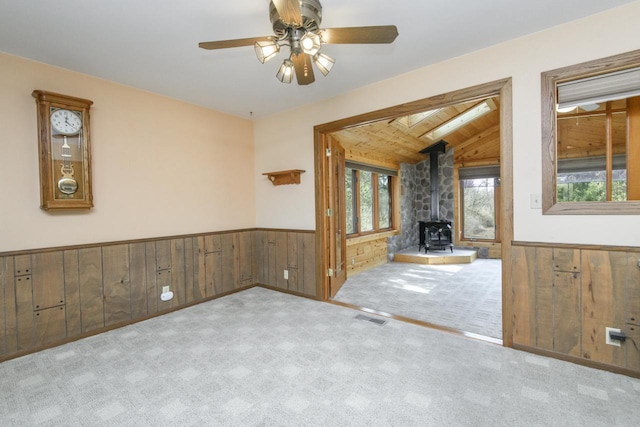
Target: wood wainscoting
565, 296
293, 251
52, 296
366, 252
494, 249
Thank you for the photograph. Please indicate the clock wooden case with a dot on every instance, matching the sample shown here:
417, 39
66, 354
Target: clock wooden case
64, 144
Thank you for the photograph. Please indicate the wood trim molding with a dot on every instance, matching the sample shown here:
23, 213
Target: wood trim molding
143, 240
286, 291
418, 322
506, 204
578, 360
282, 230
463, 95
576, 246
369, 237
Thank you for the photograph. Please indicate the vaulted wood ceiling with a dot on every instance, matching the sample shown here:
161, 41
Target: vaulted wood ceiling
392, 142
583, 133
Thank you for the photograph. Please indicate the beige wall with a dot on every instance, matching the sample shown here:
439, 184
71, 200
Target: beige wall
285, 141
161, 167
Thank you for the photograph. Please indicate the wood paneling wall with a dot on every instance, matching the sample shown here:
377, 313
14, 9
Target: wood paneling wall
564, 298
293, 251
50, 296
494, 249
364, 253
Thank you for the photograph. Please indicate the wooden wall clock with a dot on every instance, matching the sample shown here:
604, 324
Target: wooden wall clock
64, 147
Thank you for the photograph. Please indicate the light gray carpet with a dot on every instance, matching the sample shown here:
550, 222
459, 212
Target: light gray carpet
263, 358
467, 297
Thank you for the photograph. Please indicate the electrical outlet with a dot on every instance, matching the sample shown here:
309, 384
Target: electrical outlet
609, 340
353, 261
165, 289
286, 275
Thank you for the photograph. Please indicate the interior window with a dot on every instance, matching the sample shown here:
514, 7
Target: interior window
591, 137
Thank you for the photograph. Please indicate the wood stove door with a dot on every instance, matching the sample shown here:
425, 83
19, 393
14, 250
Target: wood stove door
337, 218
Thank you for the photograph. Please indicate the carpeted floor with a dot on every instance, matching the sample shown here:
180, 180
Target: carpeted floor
263, 358
467, 297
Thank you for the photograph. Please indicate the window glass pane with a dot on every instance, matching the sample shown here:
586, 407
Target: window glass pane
366, 201
619, 186
384, 201
349, 201
582, 153
479, 208
590, 186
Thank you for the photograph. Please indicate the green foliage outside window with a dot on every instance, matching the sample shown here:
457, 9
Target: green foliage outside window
351, 226
384, 201
478, 210
366, 201
591, 186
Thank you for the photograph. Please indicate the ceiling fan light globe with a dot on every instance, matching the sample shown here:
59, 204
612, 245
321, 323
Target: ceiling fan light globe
310, 43
565, 109
285, 73
266, 49
323, 62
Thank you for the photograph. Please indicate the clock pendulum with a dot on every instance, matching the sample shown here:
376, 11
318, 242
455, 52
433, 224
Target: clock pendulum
67, 184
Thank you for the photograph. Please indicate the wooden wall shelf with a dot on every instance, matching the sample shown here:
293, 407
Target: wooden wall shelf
284, 177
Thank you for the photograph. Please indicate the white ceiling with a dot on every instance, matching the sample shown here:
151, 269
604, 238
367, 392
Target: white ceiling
153, 44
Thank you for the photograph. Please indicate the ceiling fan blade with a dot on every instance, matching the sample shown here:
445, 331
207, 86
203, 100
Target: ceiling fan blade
223, 44
360, 35
289, 11
304, 70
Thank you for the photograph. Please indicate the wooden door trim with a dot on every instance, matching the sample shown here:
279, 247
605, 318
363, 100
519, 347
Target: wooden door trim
503, 88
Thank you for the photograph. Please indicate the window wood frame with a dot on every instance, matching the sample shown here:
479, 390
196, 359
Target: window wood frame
550, 79
393, 182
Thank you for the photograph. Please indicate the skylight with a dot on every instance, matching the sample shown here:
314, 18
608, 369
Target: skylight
413, 119
461, 119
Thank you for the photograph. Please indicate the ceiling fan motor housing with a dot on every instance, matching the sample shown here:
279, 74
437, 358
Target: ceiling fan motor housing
311, 11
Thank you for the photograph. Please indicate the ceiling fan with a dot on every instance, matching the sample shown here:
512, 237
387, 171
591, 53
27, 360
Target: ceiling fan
296, 23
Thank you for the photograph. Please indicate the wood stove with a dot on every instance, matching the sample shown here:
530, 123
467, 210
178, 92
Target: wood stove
435, 235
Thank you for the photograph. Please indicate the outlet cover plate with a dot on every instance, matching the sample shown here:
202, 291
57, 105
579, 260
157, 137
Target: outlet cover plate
286, 275
608, 340
536, 201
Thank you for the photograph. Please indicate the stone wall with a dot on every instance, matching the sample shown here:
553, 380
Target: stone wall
415, 202
446, 186
408, 236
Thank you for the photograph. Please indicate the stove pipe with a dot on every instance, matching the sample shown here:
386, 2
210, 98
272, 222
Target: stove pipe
434, 176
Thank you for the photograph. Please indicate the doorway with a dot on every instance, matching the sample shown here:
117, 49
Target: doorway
325, 226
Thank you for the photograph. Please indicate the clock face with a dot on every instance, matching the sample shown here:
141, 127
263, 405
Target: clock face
66, 122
